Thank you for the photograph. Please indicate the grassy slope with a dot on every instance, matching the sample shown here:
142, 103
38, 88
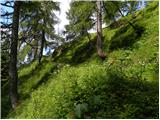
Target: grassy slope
78, 85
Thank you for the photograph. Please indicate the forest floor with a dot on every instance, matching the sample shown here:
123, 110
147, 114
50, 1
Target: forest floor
75, 83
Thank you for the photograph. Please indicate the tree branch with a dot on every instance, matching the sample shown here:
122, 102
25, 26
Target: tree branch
24, 40
5, 4
123, 16
7, 14
6, 25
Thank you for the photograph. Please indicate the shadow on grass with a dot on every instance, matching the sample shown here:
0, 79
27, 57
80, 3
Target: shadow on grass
25, 92
5, 102
31, 73
118, 97
44, 79
5, 106
126, 37
79, 55
83, 53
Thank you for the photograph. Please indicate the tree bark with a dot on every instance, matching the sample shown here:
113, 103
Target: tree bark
13, 92
42, 46
99, 30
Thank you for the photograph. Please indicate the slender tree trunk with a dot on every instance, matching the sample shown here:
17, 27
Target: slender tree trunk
99, 30
13, 92
42, 46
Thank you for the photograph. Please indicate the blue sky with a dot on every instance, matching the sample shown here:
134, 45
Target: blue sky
4, 9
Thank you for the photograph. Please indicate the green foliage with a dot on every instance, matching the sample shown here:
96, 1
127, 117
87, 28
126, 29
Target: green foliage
27, 69
22, 54
4, 77
125, 85
36, 17
39, 75
123, 38
80, 20
97, 91
110, 11
75, 52
4, 67
80, 109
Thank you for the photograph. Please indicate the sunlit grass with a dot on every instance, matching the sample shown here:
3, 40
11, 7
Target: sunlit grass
125, 85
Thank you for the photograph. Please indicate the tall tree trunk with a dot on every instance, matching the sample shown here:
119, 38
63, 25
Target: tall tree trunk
42, 46
99, 31
13, 92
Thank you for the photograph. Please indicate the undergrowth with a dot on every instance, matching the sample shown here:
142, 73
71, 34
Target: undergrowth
76, 84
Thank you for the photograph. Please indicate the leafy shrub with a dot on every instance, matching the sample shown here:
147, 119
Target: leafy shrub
123, 86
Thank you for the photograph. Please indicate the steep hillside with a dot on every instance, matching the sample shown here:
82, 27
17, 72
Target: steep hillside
75, 83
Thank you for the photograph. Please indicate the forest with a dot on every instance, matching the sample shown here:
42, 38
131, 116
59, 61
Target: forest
102, 64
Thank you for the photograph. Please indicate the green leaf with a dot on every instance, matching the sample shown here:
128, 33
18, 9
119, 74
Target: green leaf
81, 109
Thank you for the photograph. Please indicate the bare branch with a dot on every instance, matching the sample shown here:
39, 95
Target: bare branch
5, 4
7, 14
24, 40
6, 25
33, 46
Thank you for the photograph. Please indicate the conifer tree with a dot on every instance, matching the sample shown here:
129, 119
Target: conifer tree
13, 57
